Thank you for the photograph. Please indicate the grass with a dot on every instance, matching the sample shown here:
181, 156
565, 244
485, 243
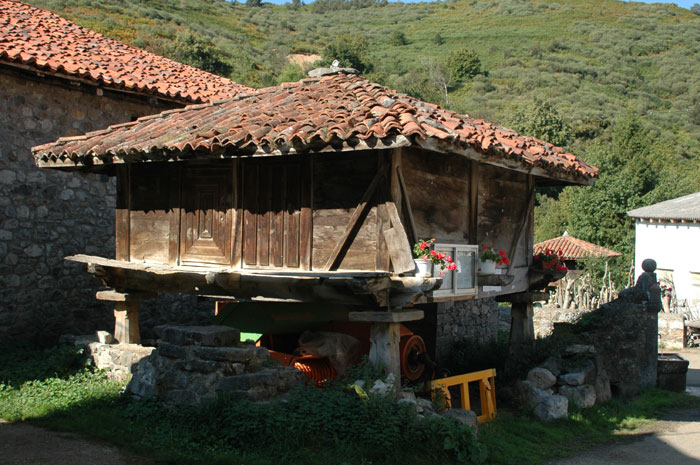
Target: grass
54, 388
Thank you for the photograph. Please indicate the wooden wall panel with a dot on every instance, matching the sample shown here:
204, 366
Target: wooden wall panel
150, 213
438, 189
122, 227
275, 195
340, 180
206, 224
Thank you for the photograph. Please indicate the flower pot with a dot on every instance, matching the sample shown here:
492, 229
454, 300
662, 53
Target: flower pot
488, 267
424, 268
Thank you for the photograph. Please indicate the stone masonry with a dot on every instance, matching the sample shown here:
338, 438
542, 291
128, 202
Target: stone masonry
474, 320
46, 215
194, 364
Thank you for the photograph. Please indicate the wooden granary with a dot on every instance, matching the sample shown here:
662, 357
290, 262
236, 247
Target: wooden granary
315, 191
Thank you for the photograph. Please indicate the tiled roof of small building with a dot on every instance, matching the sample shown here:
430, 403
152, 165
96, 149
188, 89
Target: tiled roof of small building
681, 208
334, 112
39, 39
574, 249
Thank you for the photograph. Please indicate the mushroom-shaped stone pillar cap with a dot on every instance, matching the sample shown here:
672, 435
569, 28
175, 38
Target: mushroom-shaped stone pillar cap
649, 265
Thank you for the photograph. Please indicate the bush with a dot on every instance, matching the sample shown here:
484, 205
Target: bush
350, 50
464, 64
398, 38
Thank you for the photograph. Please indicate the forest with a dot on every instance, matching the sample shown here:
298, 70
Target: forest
616, 83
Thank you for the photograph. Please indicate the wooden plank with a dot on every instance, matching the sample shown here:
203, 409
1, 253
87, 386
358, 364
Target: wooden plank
353, 225
114, 296
238, 213
387, 317
278, 189
397, 242
474, 203
395, 183
122, 227
175, 214
527, 208
264, 215
250, 212
306, 217
383, 260
413, 232
292, 217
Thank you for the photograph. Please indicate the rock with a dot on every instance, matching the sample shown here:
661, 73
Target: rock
553, 407
580, 396
579, 349
410, 395
602, 386
105, 337
409, 402
248, 381
541, 378
425, 404
572, 379
466, 417
380, 388
543, 403
552, 365
212, 336
144, 382
226, 354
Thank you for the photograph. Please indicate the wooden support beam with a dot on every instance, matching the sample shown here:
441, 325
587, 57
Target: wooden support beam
474, 202
387, 317
113, 296
397, 243
522, 332
126, 322
353, 225
523, 297
413, 232
384, 341
527, 208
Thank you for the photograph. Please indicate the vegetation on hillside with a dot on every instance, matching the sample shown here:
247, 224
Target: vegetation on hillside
616, 83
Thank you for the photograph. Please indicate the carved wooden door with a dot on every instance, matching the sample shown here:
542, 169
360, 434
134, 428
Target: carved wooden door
276, 214
206, 223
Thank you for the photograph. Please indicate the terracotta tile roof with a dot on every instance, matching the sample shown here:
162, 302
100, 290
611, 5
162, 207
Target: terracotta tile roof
681, 208
30, 36
574, 249
334, 112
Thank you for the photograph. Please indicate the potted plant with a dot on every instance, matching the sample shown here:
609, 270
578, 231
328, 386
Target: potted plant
426, 257
549, 260
490, 259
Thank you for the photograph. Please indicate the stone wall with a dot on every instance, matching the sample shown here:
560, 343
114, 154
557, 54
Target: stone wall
194, 364
474, 320
46, 214
671, 331
544, 318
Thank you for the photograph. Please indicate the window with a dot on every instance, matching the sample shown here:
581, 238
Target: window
461, 281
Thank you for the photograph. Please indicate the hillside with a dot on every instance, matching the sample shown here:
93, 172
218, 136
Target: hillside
617, 83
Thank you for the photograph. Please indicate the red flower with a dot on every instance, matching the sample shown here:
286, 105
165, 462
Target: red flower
451, 266
505, 261
433, 239
440, 256
448, 259
502, 253
433, 253
486, 247
423, 245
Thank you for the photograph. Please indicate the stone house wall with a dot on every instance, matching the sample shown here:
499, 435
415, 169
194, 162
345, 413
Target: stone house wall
474, 320
671, 331
46, 215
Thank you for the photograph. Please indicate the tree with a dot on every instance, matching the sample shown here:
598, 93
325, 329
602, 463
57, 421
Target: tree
201, 53
437, 39
463, 64
253, 3
695, 9
350, 50
398, 38
541, 120
439, 76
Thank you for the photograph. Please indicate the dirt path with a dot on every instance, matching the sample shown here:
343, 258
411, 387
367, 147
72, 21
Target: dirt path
23, 444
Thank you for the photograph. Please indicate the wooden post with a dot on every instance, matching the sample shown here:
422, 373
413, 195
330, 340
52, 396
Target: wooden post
126, 314
384, 337
126, 322
522, 330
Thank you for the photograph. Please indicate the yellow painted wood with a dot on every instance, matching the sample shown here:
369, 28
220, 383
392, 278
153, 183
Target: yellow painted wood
487, 391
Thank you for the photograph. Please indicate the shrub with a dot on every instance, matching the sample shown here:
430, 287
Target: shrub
464, 64
350, 50
398, 38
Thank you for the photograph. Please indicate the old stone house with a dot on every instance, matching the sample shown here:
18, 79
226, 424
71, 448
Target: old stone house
60, 79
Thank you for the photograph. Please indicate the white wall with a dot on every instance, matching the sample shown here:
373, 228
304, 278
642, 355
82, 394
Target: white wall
674, 246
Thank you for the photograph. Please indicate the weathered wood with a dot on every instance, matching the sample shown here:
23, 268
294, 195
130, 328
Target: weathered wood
384, 341
175, 214
412, 231
122, 213
250, 214
292, 217
150, 212
474, 203
524, 297
354, 223
395, 183
397, 243
363, 289
522, 332
527, 208
114, 296
126, 322
238, 213
383, 261
494, 279
306, 216
387, 317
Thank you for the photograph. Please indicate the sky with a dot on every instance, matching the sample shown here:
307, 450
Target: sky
681, 3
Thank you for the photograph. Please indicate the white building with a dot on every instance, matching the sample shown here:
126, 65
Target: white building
669, 232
